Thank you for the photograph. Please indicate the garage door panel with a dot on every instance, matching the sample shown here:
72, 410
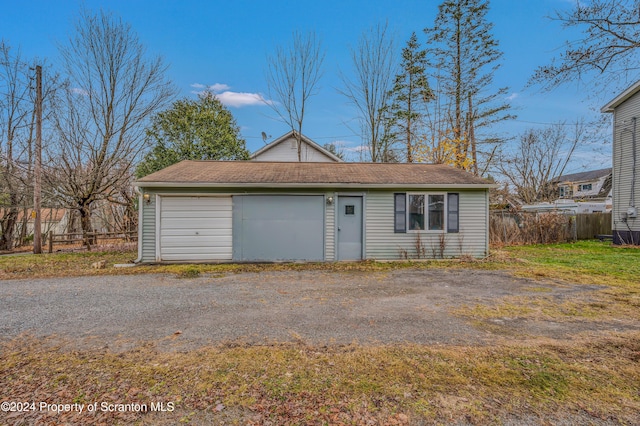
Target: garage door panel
212, 243
201, 232
197, 214
195, 223
279, 227
188, 251
195, 228
193, 257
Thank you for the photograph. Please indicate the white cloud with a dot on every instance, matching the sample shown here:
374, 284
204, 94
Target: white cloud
512, 96
231, 98
240, 99
219, 87
79, 91
357, 149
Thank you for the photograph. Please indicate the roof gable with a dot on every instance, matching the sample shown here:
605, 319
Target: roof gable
621, 98
310, 145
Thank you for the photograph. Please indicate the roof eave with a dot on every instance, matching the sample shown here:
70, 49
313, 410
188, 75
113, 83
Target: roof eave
318, 185
622, 97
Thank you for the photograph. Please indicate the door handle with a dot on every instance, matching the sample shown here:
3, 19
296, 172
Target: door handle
339, 229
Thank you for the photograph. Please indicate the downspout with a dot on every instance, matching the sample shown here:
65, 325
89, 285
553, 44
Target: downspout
632, 196
632, 210
140, 207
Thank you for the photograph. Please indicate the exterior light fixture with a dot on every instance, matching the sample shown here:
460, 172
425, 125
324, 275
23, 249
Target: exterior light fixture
147, 198
329, 201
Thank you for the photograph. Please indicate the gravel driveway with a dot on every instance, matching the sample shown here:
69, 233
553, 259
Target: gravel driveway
310, 306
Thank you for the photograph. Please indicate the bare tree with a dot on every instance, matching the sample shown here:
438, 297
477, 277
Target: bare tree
540, 156
292, 76
15, 118
374, 68
113, 89
608, 45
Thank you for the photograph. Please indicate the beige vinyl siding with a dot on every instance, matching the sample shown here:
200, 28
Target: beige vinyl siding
623, 162
287, 151
148, 233
383, 243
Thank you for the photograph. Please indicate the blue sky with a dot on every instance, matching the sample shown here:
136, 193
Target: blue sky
225, 44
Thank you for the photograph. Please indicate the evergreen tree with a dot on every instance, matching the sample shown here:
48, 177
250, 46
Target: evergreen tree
201, 129
466, 57
410, 93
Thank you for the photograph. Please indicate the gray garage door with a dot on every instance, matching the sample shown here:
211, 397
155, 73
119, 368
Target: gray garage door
278, 227
195, 228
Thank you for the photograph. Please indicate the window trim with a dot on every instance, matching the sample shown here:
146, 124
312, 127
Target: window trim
445, 218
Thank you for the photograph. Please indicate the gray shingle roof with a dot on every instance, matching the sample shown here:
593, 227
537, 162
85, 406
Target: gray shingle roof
248, 173
578, 177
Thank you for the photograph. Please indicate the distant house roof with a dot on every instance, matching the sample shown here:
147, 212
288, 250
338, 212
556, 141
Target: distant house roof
583, 176
304, 139
46, 214
190, 173
615, 102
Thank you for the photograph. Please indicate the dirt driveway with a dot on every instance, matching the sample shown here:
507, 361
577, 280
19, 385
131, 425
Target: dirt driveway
313, 307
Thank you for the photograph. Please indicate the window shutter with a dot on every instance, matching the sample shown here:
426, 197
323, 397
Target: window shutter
453, 205
400, 212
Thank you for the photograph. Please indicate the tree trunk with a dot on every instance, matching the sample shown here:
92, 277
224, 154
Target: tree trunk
9, 225
85, 223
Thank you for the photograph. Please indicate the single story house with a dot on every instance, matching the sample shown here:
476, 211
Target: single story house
626, 171
285, 148
238, 211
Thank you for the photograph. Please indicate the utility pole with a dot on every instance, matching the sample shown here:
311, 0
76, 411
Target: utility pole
37, 186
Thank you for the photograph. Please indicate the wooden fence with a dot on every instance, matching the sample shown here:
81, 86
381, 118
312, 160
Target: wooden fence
90, 239
518, 227
590, 224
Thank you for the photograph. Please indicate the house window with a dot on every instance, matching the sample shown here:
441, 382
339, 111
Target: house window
436, 212
426, 212
349, 209
586, 187
400, 212
416, 212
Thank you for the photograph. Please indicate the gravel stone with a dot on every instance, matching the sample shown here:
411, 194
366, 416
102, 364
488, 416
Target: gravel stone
311, 307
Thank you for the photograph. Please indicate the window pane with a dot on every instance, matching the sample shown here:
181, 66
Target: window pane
452, 213
416, 212
400, 212
436, 212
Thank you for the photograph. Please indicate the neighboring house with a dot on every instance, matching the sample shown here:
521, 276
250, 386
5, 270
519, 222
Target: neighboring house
285, 148
626, 153
272, 211
584, 192
592, 185
51, 220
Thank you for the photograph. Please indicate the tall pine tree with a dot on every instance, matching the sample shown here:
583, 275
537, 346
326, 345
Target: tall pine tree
466, 58
410, 95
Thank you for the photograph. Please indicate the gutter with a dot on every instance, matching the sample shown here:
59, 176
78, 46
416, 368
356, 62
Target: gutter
312, 185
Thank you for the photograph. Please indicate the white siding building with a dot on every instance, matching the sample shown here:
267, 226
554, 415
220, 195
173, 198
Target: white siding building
626, 154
